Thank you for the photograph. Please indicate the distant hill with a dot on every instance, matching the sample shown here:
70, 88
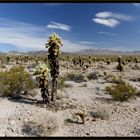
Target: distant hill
82, 52
42, 52
107, 52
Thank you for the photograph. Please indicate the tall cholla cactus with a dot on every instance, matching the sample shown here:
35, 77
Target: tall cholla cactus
42, 76
7, 59
54, 43
120, 66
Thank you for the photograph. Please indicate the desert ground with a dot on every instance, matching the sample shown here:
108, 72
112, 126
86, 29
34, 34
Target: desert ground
104, 116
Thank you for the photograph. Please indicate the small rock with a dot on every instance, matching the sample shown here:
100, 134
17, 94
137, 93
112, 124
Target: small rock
87, 133
97, 88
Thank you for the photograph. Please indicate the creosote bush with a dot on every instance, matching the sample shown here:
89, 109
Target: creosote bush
15, 81
78, 78
121, 91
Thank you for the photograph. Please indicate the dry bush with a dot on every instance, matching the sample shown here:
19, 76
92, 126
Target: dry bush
136, 67
103, 111
78, 78
62, 84
93, 76
44, 124
3, 66
84, 85
114, 79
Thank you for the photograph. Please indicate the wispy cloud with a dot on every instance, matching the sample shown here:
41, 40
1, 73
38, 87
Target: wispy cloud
22, 35
110, 19
136, 4
107, 22
89, 43
107, 33
25, 36
113, 15
56, 25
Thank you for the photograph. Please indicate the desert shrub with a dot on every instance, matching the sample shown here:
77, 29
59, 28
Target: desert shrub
136, 67
78, 78
114, 79
67, 85
46, 124
92, 76
3, 66
103, 111
31, 65
121, 91
14, 81
84, 85
61, 83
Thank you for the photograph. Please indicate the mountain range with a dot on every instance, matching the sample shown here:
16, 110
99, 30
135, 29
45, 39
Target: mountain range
82, 52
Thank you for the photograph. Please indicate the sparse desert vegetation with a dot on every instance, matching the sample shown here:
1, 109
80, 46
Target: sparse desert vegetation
108, 88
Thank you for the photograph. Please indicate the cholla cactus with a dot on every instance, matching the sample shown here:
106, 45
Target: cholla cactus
54, 43
42, 76
136, 60
81, 62
7, 59
120, 66
108, 62
74, 61
35, 59
82, 113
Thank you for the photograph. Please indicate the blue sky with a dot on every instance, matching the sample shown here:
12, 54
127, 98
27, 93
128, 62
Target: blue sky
26, 26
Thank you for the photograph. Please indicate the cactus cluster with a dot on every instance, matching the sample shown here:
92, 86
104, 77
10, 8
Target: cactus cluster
54, 43
42, 76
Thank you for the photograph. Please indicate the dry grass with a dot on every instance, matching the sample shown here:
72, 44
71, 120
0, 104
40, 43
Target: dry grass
103, 111
45, 124
93, 76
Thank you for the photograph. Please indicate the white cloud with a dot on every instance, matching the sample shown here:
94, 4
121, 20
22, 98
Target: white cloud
25, 36
113, 15
22, 35
89, 43
107, 22
136, 4
55, 25
110, 19
107, 33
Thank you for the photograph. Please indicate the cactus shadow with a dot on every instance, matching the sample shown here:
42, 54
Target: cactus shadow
21, 99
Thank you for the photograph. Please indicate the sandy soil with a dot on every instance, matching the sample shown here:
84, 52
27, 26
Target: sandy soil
123, 118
